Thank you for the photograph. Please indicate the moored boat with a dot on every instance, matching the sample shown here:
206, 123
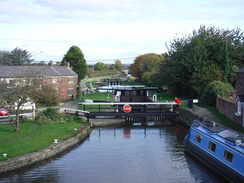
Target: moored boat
218, 147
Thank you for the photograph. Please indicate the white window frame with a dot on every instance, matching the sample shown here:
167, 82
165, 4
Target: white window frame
54, 80
70, 91
70, 80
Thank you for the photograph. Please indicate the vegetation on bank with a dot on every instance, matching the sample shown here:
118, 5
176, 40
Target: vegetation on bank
222, 119
39, 134
195, 62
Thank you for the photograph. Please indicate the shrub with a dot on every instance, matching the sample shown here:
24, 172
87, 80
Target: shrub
50, 114
213, 89
46, 96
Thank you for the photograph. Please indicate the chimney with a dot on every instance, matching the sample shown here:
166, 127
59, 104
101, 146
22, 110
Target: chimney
51, 64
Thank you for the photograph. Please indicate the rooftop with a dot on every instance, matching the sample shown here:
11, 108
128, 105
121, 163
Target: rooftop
38, 71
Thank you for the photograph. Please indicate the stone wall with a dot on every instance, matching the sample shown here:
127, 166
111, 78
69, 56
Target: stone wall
54, 149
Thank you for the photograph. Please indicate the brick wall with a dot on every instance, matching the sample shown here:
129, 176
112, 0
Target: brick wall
228, 109
240, 83
62, 85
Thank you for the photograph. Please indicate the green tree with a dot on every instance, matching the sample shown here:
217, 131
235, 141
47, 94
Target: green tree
4, 58
46, 96
194, 61
20, 57
15, 57
100, 66
213, 89
77, 61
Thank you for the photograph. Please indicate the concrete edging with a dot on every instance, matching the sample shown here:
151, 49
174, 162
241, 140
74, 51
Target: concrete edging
54, 149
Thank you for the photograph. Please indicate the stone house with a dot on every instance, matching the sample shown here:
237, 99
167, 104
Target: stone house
234, 107
62, 78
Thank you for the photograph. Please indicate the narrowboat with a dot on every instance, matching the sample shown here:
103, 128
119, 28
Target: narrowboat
217, 147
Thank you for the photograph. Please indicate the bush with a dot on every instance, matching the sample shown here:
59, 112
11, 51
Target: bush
47, 96
213, 89
50, 114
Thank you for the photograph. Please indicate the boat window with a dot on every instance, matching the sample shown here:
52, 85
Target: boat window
228, 156
212, 146
198, 138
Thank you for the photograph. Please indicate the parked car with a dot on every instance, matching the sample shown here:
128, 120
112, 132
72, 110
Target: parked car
4, 112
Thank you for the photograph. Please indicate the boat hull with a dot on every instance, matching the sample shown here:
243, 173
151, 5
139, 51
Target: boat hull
213, 163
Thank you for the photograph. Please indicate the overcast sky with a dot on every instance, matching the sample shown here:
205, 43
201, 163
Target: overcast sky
106, 30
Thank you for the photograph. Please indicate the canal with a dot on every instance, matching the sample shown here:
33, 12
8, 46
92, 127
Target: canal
121, 155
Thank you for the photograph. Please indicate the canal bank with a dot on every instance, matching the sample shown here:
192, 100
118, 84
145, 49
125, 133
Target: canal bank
52, 150
56, 148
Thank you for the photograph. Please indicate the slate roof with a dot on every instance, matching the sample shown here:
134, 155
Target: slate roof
38, 71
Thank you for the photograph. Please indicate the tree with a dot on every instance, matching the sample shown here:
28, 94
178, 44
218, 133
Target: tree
4, 58
15, 57
118, 65
77, 61
100, 66
46, 95
145, 66
194, 61
18, 91
20, 57
213, 89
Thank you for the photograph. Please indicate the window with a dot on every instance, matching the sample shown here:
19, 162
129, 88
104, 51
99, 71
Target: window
228, 156
212, 146
198, 138
54, 80
70, 80
12, 82
70, 91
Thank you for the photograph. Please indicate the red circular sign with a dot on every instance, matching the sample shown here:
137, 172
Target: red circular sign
127, 108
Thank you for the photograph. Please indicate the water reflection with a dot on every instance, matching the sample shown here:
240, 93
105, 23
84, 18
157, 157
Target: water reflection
125, 154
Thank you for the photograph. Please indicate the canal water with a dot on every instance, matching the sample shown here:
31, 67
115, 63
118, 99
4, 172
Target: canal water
120, 155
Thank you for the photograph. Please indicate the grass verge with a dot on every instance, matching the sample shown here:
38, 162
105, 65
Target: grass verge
34, 136
222, 119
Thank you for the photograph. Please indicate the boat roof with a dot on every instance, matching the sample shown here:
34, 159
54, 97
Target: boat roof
221, 133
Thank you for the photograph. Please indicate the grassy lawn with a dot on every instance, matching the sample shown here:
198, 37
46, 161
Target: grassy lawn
34, 136
163, 97
102, 96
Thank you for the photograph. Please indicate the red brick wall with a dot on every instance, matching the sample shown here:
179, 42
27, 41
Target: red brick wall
228, 109
62, 85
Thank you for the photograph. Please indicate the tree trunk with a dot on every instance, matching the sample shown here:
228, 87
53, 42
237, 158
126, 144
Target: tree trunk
17, 124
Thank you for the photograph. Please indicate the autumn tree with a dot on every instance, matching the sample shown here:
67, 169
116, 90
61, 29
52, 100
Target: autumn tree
118, 65
145, 66
77, 61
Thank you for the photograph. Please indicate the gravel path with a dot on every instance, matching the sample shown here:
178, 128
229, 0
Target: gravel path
204, 113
